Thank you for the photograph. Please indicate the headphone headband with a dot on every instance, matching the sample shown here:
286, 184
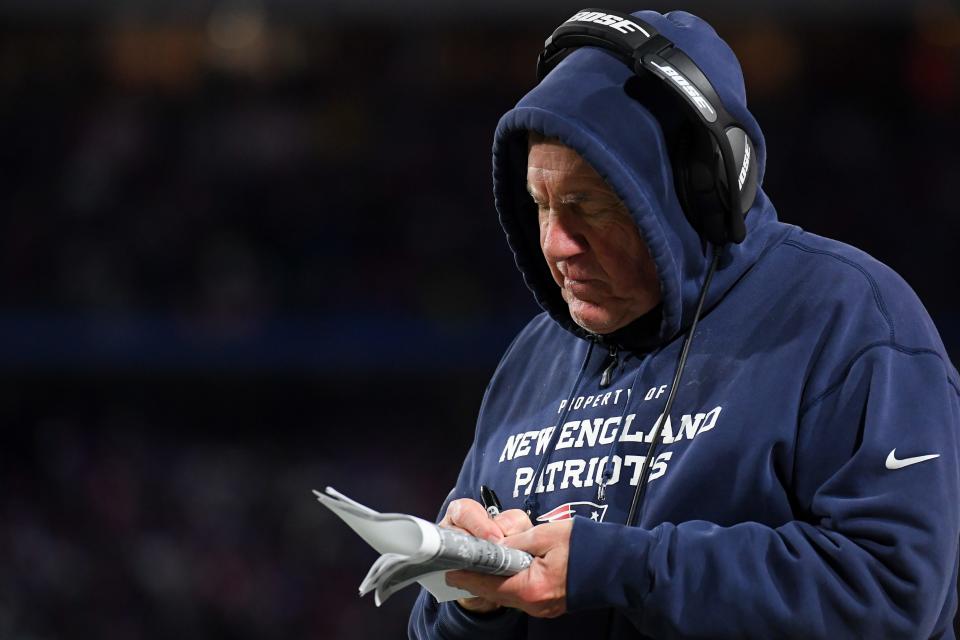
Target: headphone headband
642, 48
618, 32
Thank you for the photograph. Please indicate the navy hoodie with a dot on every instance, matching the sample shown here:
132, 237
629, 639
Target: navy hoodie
778, 505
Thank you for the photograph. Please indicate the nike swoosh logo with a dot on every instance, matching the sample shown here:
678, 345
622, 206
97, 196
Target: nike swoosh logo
894, 463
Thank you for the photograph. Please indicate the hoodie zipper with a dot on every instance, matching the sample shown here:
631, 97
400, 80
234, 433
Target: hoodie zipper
613, 361
645, 361
606, 378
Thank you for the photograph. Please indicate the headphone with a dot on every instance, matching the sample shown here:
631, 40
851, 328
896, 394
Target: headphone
714, 167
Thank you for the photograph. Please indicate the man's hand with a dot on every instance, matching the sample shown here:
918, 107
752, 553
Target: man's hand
540, 590
470, 517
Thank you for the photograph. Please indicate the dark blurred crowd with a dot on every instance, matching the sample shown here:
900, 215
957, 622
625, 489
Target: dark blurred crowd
183, 508
233, 172
142, 173
310, 207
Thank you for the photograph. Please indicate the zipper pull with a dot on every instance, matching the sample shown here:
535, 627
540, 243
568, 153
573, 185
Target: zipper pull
607, 377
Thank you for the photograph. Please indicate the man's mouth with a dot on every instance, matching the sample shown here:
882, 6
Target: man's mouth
580, 288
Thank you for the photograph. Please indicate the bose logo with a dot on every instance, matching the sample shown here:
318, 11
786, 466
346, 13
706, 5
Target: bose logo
607, 20
695, 96
746, 165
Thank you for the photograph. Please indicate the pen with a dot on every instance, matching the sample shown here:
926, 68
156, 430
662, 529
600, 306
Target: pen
490, 501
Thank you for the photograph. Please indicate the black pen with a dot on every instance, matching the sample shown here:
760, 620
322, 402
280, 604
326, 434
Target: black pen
490, 501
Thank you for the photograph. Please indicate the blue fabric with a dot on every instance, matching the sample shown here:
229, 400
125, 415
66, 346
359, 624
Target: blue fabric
771, 512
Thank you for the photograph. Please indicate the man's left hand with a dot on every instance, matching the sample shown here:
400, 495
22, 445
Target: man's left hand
540, 590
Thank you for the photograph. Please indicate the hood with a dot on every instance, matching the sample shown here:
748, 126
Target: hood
584, 103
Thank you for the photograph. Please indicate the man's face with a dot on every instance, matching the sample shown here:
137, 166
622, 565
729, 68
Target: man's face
594, 250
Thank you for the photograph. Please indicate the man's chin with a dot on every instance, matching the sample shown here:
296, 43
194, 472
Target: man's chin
596, 319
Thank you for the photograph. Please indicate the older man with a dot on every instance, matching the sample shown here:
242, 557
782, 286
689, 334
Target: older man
804, 482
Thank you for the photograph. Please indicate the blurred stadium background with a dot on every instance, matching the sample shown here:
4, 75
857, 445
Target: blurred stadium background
249, 249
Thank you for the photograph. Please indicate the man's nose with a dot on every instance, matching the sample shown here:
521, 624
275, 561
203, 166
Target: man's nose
562, 237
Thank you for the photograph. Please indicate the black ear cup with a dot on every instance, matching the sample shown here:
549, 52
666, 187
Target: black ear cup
699, 176
714, 207
699, 180
713, 160
745, 167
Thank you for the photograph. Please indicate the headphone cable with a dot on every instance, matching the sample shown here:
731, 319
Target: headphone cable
640, 491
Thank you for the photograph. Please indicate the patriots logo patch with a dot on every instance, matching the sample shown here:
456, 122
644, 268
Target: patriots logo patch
583, 509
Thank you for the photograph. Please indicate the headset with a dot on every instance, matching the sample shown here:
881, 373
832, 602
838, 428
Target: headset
714, 168
713, 159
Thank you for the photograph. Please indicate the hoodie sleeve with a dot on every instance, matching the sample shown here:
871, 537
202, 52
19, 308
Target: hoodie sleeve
432, 620
872, 554
449, 621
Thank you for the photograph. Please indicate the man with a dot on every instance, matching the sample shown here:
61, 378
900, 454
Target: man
805, 482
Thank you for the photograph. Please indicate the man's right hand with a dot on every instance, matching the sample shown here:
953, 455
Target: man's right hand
470, 517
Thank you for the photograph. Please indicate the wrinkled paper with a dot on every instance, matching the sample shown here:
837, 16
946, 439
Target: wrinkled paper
414, 550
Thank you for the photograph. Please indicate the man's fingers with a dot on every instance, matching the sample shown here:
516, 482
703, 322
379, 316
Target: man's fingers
488, 587
513, 522
520, 591
472, 517
538, 540
529, 541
